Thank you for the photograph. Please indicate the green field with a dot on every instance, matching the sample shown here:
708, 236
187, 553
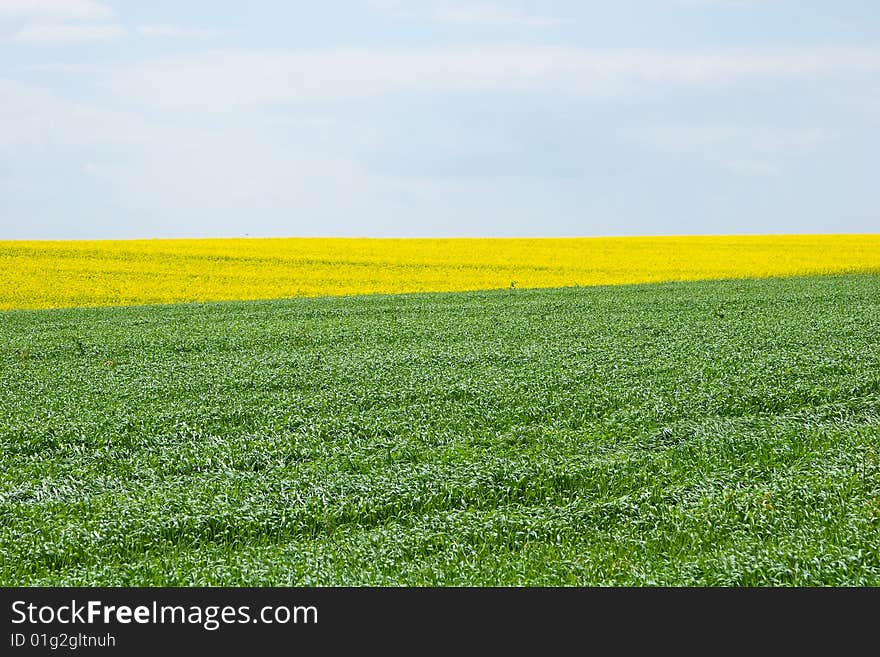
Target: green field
693, 433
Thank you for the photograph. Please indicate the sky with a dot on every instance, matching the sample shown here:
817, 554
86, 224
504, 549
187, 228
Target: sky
408, 118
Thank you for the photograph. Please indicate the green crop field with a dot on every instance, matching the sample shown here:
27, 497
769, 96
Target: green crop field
693, 433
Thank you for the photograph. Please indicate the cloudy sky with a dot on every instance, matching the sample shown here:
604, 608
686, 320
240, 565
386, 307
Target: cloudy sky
438, 117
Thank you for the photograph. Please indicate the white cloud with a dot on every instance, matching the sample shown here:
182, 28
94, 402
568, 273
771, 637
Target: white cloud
177, 32
753, 150
723, 3
37, 117
66, 33
56, 22
225, 79
139, 164
461, 12
56, 10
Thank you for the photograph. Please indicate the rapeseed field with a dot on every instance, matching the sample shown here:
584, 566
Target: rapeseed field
702, 432
57, 274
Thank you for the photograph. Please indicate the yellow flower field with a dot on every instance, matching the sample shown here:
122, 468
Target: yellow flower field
49, 274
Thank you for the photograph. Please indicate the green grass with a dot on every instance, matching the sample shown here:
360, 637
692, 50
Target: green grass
699, 433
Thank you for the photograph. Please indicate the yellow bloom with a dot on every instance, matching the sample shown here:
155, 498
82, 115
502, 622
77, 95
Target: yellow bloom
38, 274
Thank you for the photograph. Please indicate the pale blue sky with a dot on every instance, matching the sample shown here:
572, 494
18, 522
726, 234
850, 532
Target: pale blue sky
438, 117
